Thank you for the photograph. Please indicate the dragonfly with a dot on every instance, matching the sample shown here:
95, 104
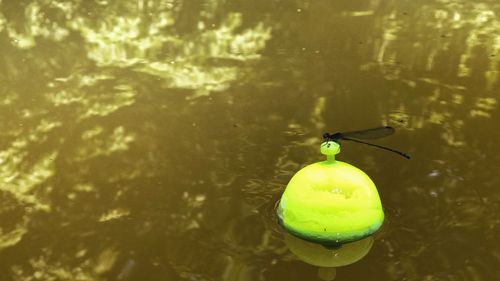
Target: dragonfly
367, 134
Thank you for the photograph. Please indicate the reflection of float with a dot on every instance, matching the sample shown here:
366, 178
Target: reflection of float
327, 259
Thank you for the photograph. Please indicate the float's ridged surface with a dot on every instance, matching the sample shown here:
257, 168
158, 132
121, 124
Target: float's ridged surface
331, 202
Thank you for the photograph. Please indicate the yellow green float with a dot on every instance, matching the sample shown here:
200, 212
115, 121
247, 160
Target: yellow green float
330, 202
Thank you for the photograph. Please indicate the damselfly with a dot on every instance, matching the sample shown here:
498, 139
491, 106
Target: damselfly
367, 134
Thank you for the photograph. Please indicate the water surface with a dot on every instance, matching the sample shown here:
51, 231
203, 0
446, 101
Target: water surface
150, 140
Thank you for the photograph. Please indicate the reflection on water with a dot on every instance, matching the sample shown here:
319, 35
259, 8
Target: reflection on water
327, 259
149, 140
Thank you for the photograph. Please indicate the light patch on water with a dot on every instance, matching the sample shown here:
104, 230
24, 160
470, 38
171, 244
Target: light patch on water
73, 90
121, 41
437, 118
12, 237
92, 133
186, 76
114, 214
2, 21
21, 180
120, 140
63, 5
8, 99
106, 260
358, 13
47, 266
84, 187
483, 107
124, 97
452, 136
39, 173
92, 79
36, 25
318, 113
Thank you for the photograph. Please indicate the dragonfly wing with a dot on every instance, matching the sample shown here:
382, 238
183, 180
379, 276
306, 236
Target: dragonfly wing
373, 133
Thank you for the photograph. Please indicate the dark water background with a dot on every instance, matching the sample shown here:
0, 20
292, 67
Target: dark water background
150, 140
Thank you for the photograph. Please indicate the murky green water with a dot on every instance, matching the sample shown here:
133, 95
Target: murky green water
150, 140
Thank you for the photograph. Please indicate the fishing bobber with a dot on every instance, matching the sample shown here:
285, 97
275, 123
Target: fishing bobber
330, 202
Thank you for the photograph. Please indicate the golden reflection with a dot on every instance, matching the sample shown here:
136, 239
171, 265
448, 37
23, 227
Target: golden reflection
23, 183
145, 37
119, 40
10, 237
327, 259
106, 260
358, 13
20, 180
48, 267
2, 21
483, 107
36, 25
88, 106
448, 21
459, 38
222, 42
114, 214
84, 187
118, 140
124, 41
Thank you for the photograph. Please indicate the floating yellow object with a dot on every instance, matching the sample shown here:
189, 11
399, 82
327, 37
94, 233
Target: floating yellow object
331, 202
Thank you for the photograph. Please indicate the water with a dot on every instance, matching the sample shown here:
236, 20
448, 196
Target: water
150, 140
